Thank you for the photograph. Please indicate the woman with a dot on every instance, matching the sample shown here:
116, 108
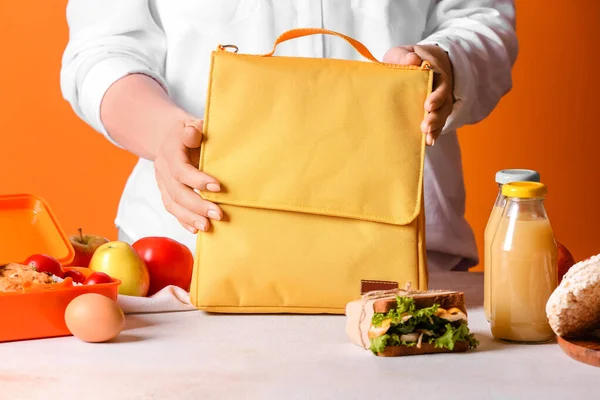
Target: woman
136, 71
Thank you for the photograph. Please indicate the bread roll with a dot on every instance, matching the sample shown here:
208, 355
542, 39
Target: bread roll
573, 309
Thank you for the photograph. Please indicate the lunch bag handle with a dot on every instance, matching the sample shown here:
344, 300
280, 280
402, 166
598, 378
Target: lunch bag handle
300, 32
361, 48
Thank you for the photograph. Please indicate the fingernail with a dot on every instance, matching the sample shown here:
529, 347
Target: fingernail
213, 187
213, 214
192, 230
412, 53
200, 226
432, 142
429, 139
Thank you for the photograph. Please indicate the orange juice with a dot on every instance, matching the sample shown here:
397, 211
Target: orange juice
502, 177
524, 274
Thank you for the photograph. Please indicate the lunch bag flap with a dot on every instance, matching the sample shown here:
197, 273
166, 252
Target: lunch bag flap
320, 136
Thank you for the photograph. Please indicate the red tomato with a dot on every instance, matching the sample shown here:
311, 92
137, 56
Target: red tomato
77, 276
97, 278
45, 263
169, 262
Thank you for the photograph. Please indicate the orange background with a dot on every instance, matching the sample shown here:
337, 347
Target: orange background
547, 122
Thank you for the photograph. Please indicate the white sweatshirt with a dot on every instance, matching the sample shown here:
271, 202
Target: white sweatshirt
171, 40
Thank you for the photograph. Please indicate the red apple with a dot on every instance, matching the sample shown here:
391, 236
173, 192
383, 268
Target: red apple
169, 262
565, 261
85, 246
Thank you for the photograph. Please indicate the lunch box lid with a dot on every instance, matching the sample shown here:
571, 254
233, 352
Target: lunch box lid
29, 226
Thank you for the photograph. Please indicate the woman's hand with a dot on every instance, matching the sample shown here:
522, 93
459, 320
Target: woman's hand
177, 174
155, 128
441, 100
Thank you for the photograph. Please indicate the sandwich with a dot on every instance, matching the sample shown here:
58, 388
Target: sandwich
573, 309
407, 322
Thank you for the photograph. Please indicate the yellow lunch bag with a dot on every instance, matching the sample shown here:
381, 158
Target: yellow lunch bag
321, 166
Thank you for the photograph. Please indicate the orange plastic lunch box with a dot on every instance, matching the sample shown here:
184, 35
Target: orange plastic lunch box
28, 226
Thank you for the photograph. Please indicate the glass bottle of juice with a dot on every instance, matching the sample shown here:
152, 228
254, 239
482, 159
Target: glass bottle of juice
524, 273
502, 177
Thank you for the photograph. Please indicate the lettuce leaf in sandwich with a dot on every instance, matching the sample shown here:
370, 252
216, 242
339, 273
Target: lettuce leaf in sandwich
406, 325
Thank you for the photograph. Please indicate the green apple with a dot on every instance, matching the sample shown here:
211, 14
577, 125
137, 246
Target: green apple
119, 260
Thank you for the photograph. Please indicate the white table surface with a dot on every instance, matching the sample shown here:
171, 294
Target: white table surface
193, 355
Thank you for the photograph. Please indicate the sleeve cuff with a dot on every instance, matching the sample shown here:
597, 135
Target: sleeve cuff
100, 77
